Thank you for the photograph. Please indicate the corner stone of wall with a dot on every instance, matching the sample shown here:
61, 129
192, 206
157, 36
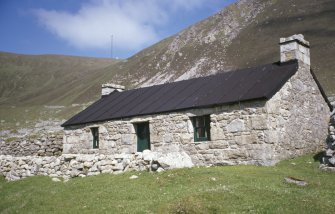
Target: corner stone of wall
75, 165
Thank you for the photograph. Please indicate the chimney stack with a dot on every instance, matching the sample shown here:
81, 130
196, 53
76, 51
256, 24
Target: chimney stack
295, 47
109, 88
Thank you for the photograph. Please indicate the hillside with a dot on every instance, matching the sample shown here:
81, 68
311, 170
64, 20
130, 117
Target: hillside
315, 19
48, 79
242, 35
39, 88
196, 51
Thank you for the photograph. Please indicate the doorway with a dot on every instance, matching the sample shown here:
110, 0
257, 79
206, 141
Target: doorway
143, 136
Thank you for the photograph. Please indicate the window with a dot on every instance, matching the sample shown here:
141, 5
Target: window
201, 128
95, 134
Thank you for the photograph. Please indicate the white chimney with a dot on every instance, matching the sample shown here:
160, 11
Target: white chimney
109, 88
295, 47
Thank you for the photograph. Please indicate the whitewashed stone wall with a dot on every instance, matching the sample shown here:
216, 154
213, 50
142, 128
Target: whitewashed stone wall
293, 122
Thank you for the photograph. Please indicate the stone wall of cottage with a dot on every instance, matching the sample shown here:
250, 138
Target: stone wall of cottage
46, 144
237, 135
298, 117
235, 130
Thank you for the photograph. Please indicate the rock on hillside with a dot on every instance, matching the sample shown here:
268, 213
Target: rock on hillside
196, 51
315, 19
242, 35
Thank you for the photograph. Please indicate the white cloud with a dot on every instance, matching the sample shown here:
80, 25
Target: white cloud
187, 5
133, 23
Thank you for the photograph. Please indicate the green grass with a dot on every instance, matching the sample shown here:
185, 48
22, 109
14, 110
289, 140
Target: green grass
233, 189
31, 80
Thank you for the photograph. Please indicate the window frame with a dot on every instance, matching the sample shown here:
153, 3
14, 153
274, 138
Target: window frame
206, 120
95, 135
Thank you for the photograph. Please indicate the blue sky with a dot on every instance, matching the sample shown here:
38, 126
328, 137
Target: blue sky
84, 28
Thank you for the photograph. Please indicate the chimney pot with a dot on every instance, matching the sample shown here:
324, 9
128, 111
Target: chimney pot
109, 88
295, 47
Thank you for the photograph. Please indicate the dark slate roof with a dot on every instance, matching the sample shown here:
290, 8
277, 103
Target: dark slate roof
228, 87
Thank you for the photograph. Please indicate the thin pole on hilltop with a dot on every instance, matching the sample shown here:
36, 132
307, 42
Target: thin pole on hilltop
112, 38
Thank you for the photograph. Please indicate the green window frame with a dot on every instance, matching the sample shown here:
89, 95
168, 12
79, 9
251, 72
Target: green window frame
95, 134
201, 125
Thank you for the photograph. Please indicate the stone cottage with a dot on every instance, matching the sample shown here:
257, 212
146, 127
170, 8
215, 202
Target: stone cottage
251, 116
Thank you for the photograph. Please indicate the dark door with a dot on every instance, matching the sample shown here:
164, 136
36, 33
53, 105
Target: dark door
143, 136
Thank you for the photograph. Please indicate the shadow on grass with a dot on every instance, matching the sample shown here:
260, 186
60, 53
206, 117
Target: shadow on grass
319, 157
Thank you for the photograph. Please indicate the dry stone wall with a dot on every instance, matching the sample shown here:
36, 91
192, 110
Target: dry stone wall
70, 166
46, 144
328, 161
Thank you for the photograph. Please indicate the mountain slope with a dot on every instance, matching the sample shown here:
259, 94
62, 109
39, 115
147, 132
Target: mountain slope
242, 35
196, 51
315, 19
48, 79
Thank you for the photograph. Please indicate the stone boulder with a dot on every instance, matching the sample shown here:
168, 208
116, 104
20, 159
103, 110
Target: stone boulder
170, 160
148, 155
174, 160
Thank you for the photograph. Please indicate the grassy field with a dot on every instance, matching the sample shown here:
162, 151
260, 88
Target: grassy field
230, 189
